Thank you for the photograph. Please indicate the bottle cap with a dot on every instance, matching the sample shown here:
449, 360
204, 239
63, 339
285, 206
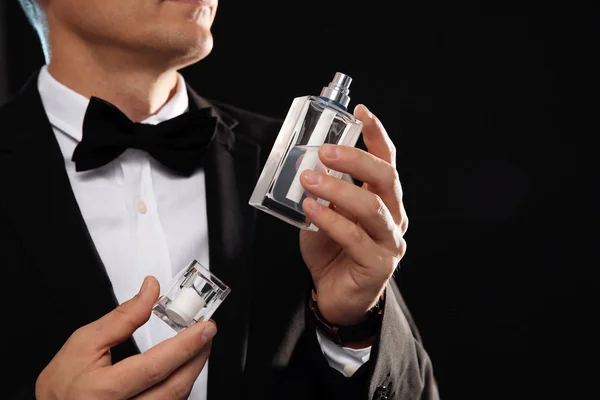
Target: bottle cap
185, 306
337, 90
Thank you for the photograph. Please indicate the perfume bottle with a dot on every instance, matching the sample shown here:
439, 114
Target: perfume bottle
310, 122
194, 296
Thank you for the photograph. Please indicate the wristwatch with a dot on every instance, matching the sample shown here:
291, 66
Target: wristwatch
346, 334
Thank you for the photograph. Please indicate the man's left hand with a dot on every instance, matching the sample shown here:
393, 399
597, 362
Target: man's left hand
360, 240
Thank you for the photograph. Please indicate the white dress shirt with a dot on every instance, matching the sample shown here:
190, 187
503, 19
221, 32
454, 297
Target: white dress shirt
144, 219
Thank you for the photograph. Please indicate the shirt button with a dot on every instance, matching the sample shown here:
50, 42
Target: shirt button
141, 206
349, 370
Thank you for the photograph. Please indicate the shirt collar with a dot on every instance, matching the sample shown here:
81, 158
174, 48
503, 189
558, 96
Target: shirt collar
66, 108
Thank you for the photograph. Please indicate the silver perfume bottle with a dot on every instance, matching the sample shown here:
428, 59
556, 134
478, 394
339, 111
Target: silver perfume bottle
310, 122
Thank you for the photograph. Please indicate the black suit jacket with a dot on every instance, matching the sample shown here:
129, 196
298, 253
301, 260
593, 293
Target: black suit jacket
55, 281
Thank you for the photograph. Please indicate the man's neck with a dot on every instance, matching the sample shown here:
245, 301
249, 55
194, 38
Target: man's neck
138, 90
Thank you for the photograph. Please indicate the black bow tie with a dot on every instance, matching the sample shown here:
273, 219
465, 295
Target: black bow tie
179, 143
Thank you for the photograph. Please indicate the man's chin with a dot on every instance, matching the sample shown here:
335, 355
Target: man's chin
183, 50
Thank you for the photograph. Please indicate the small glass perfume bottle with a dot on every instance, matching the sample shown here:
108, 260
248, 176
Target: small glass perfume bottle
195, 295
310, 122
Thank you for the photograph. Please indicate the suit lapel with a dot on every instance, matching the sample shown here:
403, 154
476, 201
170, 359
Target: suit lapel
48, 220
232, 169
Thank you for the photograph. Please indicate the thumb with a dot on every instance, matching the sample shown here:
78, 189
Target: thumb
116, 326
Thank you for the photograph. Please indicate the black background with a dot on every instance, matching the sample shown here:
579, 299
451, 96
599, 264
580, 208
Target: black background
494, 116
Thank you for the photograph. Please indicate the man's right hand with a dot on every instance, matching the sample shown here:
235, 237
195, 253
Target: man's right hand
82, 369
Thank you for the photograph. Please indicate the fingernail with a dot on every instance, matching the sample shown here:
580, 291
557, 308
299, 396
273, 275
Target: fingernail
311, 205
330, 151
311, 177
367, 112
209, 331
144, 285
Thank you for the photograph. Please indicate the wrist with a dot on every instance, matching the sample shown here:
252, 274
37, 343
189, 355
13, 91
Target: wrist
347, 309
360, 334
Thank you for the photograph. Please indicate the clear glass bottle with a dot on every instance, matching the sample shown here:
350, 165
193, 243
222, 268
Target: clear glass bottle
194, 296
310, 122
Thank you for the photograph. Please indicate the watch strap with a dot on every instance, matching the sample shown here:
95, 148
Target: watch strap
346, 334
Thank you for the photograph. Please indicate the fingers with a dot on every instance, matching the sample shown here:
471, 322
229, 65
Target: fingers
350, 236
379, 175
116, 326
140, 372
318, 167
375, 136
180, 383
368, 208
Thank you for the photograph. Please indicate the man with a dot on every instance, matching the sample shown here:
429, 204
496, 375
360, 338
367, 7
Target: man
78, 240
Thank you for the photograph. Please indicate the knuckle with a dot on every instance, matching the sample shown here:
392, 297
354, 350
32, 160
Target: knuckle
404, 224
401, 248
355, 234
391, 148
352, 154
377, 122
388, 177
192, 350
191, 346
152, 372
389, 263
41, 385
398, 249
125, 317
121, 311
179, 390
332, 184
377, 207
398, 191
78, 333
90, 388
391, 175
79, 337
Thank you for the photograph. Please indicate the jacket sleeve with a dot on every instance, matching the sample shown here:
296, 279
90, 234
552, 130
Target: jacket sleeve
402, 368
399, 367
